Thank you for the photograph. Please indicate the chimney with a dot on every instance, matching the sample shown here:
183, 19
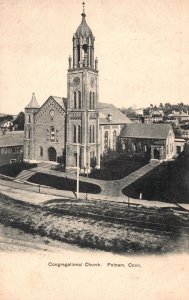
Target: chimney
110, 118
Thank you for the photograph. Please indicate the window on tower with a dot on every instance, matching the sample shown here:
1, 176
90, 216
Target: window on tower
75, 100
79, 100
93, 136
93, 103
79, 134
90, 100
90, 134
74, 134
29, 134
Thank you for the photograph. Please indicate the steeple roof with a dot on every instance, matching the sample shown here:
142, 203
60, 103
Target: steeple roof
83, 29
33, 103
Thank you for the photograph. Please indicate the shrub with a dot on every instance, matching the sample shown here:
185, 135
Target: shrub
14, 169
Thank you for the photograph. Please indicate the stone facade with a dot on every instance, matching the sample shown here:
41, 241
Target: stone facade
44, 131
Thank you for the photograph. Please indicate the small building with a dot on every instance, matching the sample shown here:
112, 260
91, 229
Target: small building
11, 147
152, 116
184, 133
181, 116
155, 139
6, 124
179, 145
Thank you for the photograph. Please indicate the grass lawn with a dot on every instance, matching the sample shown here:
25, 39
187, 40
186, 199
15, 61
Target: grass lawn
117, 169
14, 169
58, 220
62, 183
167, 183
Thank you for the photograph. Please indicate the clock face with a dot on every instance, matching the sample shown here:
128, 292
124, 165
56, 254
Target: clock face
92, 81
51, 113
76, 80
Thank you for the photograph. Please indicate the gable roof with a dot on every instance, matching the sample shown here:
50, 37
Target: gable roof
118, 117
141, 130
13, 138
105, 109
61, 101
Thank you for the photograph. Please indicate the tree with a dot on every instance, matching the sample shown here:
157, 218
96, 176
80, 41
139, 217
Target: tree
130, 112
19, 121
6, 118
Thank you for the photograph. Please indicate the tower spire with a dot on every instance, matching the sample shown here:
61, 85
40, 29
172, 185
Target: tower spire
33, 103
83, 13
83, 45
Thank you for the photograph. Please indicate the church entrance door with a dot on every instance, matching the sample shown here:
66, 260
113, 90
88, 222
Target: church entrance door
52, 154
156, 153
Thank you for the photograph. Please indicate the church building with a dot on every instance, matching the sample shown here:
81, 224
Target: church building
79, 125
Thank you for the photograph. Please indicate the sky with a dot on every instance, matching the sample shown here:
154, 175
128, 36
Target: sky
142, 47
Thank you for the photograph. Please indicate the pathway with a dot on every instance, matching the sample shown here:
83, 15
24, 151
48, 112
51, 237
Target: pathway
108, 188
35, 195
111, 190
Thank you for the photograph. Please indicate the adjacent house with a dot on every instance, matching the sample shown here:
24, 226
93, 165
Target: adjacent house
11, 147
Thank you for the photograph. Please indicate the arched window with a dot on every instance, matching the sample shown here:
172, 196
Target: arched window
114, 139
56, 135
47, 134
52, 134
123, 146
29, 134
74, 134
93, 103
75, 100
106, 140
145, 148
41, 151
28, 150
29, 118
79, 134
79, 100
134, 147
92, 133
90, 100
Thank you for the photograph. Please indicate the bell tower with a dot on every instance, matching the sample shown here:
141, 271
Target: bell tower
82, 103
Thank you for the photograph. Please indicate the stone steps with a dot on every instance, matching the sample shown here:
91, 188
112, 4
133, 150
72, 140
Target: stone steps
45, 165
24, 176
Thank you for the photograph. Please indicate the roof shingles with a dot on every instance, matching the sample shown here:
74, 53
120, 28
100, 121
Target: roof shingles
11, 139
152, 131
117, 116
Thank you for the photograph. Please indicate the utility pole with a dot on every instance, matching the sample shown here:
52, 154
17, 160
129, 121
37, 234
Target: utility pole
87, 177
77, 172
